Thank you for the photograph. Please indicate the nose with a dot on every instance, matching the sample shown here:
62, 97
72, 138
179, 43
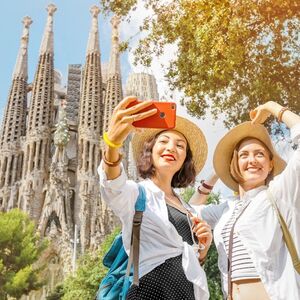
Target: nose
171, 147
252, 159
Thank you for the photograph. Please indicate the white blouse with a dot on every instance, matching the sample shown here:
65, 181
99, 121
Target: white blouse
159, 239
260, 232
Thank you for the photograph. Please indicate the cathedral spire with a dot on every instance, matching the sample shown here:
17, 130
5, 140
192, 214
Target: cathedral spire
13, 127
47, 42
89, 131
114, 61
113, 91
93, 42
37, 145
22, 59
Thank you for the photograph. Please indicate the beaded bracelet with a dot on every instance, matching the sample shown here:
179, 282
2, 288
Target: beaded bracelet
109, 143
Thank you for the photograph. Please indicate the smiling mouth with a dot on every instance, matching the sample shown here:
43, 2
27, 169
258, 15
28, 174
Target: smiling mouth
168, 157
253, 169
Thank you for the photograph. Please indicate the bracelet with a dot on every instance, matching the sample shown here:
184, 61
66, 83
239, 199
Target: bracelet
207, 186
110, 143
110, 163
282, 110
201, 192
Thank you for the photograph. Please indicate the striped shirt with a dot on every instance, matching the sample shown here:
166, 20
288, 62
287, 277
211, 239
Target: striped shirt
242, 265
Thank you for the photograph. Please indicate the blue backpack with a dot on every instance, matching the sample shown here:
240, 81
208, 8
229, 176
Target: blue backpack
121, 275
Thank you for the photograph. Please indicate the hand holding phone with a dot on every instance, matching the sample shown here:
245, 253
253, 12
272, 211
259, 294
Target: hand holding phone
165, 117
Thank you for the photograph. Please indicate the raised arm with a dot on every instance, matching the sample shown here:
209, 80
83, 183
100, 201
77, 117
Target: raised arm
120, 127
262, 112
203, 190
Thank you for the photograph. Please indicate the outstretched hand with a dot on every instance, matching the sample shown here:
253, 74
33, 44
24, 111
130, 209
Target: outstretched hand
122, 118
260, 114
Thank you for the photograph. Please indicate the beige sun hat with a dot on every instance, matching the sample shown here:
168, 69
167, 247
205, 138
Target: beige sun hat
224, 151
192, 133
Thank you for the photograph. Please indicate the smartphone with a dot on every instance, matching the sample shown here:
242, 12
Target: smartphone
165, 118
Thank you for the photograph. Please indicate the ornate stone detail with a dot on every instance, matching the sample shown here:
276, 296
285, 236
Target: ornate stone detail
47, 42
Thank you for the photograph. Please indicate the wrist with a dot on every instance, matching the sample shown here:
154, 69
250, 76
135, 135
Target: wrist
110, 142
205, 187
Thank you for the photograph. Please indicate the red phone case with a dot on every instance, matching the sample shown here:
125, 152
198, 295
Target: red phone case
165, 118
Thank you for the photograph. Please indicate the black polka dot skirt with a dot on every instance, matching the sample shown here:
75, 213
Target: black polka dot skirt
167, 281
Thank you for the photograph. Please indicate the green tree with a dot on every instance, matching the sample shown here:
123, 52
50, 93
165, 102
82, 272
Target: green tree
20, 248
90, 271
232, 55
211, 264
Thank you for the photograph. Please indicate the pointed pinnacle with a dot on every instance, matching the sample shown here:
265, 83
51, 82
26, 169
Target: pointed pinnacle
27, 21
95, 10
51, 8
115, 21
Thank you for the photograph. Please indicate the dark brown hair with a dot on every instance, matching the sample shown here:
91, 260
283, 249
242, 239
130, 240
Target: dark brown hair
234, 165
182, 178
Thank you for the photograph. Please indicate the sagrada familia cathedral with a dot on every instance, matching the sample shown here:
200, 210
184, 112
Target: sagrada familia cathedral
50, 144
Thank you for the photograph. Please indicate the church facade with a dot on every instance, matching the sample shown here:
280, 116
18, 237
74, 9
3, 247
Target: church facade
50, 145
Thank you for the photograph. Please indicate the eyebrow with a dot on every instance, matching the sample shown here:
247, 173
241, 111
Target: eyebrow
178, 140
256, 150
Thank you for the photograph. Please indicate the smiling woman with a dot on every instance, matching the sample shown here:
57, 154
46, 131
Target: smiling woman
251, 164
253, 255
173, 240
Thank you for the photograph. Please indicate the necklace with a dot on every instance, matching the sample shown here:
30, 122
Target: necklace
180, 206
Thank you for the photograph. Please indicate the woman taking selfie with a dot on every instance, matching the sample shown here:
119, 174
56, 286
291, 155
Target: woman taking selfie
169, 259
254, 260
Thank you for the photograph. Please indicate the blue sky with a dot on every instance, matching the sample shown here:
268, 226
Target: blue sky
72, 22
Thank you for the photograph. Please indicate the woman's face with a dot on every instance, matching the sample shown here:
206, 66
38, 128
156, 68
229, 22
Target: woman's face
169, 151
254, 163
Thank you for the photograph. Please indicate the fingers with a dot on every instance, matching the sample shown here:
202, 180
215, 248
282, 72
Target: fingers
140, 116
125, 102
138, 107
253, 114
201, 227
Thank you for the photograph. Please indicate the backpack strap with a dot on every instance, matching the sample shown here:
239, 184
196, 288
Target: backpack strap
286, 234
134, 254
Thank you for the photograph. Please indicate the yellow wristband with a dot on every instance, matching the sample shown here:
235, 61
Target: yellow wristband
110, 143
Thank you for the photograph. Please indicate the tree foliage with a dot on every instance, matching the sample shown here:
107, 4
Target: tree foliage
232, 55
90, 271
20, 248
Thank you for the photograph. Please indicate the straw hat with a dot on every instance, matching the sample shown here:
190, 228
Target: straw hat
224, 151
192, 133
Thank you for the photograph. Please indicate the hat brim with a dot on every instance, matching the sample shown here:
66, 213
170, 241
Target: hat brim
224, 151
191, 132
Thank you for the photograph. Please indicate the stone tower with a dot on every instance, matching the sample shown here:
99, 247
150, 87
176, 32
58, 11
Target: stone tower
94, 223
142, 85
39, 124
113, 91
13, 127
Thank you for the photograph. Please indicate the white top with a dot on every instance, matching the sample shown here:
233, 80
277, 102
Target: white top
159, 239
242, 265
260, 232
